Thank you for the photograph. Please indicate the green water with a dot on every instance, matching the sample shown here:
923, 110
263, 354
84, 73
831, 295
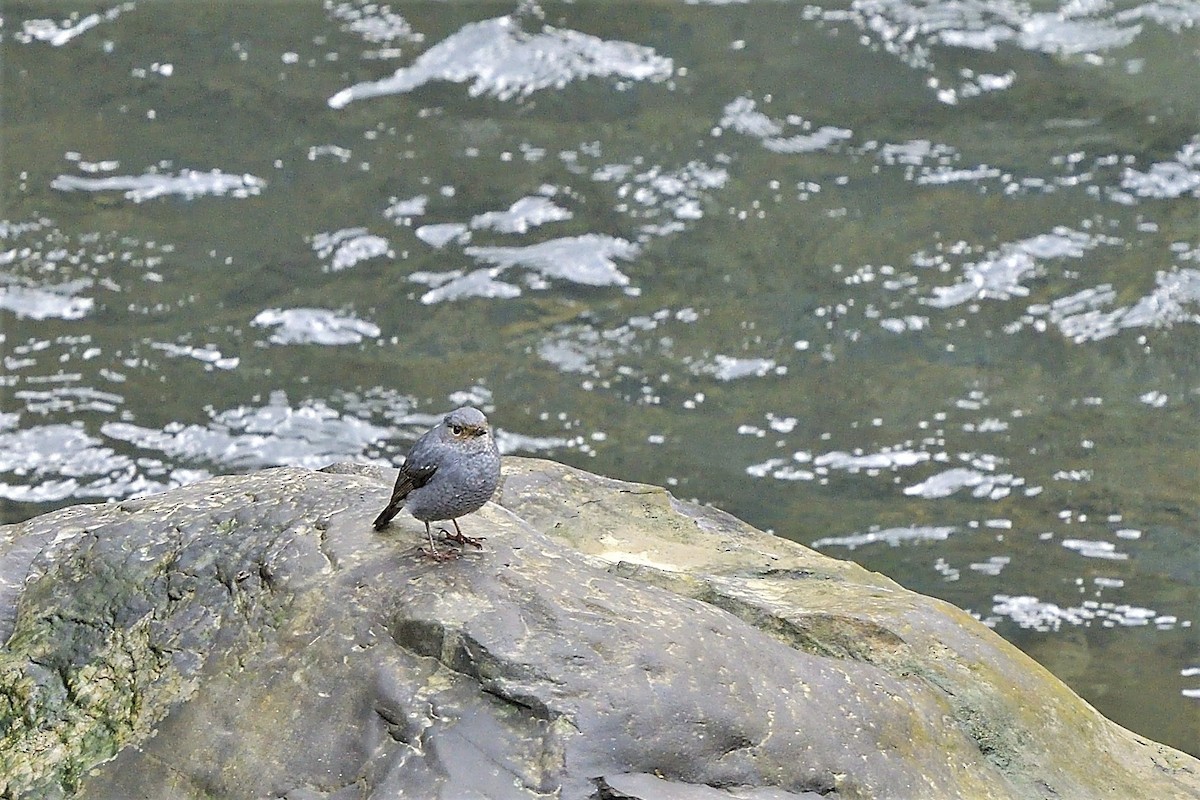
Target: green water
919, 284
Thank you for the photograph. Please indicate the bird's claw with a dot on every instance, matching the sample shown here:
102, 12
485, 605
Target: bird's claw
458, 537
440, 556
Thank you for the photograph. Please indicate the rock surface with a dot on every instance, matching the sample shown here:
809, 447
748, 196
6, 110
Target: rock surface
253, 637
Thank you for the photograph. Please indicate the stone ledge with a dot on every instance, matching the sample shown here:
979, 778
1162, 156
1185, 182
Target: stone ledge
252, 636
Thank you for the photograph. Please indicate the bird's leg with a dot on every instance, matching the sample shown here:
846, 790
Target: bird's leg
434, 553
459, 538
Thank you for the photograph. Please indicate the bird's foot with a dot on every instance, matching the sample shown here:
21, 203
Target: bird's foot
440, 556
458, 537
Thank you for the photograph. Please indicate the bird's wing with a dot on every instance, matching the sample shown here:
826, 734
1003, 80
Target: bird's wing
411, 477
418, 467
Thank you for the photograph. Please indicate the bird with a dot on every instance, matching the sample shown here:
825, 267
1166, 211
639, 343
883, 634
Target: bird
451, 471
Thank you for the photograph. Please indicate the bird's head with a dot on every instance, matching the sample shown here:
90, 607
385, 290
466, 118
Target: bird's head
466, 423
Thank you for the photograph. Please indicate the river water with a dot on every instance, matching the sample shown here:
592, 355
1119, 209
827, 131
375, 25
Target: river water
917, 284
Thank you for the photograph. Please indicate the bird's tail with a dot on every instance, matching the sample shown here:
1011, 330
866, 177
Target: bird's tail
385, 516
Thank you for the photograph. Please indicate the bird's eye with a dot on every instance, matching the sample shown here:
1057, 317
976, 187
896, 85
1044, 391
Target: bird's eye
457, 430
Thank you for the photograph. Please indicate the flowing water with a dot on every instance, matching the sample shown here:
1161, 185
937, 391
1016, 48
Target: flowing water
917, 284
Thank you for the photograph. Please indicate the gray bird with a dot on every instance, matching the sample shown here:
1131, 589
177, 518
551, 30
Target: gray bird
450, 471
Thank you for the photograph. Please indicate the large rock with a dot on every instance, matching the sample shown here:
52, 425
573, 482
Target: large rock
253, 637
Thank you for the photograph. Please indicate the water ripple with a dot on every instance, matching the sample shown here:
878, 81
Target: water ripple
521, 216
1028, 611
666, 198
345, 248
992, 486
741, 115
58, 34
373, 23
916, 33
891, 536
51, 302
503, 61
1001, 275
1164, 180
732, 368
188, 183
314, 326
1082, 317
209, 355
52, 462
246, 437
589, 260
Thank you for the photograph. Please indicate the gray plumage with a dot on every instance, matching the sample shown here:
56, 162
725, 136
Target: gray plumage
451, 471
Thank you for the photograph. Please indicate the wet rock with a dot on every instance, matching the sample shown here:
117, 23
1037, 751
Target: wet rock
252, 636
